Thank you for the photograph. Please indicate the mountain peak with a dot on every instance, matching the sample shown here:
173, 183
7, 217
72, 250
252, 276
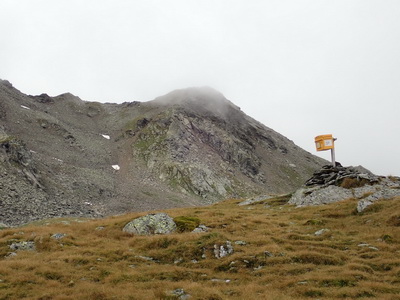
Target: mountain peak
201, 100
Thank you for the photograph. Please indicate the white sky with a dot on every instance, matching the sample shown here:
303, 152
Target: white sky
303, 68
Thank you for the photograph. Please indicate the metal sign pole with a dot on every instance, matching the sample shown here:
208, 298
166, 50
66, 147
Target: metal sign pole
333, 157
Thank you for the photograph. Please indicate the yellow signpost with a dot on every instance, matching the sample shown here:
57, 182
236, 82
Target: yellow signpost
326, 142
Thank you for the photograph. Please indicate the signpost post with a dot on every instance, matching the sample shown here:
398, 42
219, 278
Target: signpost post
326, 142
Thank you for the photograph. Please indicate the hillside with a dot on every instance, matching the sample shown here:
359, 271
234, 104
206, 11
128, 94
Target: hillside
62, 156
276, 251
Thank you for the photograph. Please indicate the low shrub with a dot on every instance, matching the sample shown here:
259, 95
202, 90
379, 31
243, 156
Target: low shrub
185, 223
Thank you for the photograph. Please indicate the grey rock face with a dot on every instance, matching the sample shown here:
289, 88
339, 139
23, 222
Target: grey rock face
159, 223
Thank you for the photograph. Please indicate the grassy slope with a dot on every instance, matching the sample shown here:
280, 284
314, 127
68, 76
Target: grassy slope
107, 264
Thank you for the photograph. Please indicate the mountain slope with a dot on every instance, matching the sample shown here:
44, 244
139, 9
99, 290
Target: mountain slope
189, 147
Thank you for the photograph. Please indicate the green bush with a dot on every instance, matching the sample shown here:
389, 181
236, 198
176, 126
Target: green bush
184, 223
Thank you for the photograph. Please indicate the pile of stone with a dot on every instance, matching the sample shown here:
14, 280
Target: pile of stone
334, 175
327, 186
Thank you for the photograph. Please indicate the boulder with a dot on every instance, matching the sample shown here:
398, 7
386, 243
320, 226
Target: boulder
318, 196
159, 223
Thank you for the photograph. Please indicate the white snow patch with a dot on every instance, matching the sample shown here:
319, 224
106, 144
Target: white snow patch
116, 167
26, 107
105, 136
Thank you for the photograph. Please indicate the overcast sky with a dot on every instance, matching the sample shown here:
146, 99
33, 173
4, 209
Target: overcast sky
303, 68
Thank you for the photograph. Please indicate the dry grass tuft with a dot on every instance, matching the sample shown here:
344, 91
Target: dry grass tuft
394, 221
349, 183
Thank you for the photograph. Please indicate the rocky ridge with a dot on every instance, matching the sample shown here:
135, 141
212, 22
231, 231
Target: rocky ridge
62, 156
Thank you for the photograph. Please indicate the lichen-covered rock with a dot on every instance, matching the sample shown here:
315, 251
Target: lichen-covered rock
221, 251
23, 246
150, 224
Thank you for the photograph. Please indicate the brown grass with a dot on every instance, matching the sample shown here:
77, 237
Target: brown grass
349, 183
277, 256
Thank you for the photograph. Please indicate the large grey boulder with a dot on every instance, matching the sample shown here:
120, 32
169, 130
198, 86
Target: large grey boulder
150, 224
318, 195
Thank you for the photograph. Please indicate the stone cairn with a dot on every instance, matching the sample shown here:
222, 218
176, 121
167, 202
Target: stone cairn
330, 185
334, 175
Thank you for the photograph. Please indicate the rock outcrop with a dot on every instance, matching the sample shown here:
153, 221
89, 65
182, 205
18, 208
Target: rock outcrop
150, 224
332, 184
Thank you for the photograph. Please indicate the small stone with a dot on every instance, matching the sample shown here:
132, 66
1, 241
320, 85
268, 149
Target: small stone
241, 243
200, 229
145, 258
11, 254
58, 236
177, 261
180, 294
321, 232
268, 254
